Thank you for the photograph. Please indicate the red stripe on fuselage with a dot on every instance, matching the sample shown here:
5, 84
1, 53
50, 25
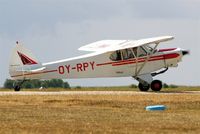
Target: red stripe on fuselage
124, 62
170, 56
167, 49
131, 61
101, 64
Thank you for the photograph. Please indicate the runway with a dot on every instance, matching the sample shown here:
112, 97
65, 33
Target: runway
9, 93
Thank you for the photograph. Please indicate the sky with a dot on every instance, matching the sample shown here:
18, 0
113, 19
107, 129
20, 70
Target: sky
55, 29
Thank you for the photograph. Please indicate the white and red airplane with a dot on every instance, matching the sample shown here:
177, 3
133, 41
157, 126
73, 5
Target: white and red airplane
139, 59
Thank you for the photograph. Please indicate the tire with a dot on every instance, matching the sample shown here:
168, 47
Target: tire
17, 88
143, 88
156, 85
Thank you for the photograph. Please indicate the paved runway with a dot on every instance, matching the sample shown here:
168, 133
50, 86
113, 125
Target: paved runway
6, 93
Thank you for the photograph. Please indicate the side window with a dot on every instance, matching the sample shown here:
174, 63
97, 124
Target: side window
115, 56
135, 51
127, 54
130, 53
141, 52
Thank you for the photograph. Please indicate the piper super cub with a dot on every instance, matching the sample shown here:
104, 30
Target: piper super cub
139, 59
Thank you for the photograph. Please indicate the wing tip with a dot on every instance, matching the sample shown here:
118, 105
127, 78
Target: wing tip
169, 37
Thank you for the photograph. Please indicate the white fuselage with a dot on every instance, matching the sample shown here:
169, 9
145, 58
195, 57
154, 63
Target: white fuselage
98, 64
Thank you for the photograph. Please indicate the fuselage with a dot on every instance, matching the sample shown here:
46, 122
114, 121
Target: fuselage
99, 64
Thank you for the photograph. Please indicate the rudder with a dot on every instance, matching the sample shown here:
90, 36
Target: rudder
21, 58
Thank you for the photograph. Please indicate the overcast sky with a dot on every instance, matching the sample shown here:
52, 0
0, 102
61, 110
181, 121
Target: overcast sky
55, 29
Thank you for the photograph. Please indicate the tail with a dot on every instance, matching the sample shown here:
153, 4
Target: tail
21, 62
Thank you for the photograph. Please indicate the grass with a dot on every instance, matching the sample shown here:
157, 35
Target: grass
100, 114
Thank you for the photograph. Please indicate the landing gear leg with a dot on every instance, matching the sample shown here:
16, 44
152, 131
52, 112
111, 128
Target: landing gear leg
156, 85
144, 82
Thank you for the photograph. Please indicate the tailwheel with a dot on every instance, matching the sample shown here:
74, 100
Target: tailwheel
17, 88
156, 85
17, 85
143, 87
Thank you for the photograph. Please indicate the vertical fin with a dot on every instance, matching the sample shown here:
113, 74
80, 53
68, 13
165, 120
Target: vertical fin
21, 58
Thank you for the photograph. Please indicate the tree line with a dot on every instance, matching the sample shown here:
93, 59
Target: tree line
29, 84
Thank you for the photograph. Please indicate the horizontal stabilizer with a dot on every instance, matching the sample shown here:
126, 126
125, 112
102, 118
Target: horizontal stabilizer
31, 71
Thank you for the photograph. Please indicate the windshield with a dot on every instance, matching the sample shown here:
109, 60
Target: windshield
149, 48
141, 52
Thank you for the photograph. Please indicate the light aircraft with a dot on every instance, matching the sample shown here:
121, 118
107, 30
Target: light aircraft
139, 59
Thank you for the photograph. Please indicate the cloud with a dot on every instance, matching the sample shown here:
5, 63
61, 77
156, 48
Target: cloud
171, 9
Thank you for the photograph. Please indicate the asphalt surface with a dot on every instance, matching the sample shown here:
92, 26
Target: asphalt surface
6, 93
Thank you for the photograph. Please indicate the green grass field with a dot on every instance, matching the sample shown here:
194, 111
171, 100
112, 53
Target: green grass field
100, 113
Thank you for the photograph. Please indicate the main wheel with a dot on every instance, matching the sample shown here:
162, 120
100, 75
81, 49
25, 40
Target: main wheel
156, 85
17, 88
143, 87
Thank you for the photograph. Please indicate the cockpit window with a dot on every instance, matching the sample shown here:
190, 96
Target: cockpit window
149, 48
127, 54
134, 50
141, 52
115, 56
130, 53
122, 55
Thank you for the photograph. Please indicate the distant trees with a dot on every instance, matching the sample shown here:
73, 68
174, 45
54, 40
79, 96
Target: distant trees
165, 85
8, 84
169, 86
53, 83
133, 86
57, 83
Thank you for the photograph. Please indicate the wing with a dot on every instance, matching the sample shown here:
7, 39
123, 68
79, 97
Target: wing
112, 45
155, 40
102, 45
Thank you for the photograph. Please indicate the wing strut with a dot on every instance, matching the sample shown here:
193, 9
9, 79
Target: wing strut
137, 71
